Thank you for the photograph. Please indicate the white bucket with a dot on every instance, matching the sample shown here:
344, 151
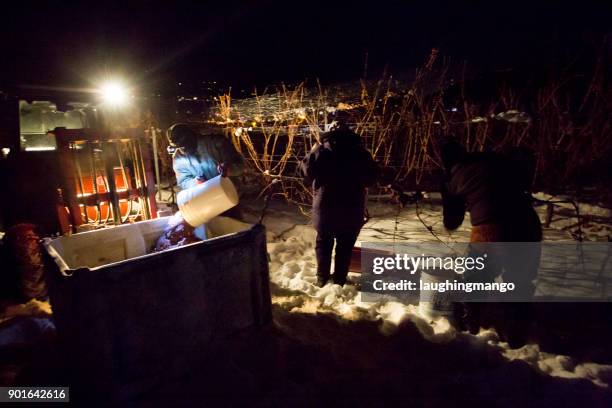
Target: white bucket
434, 304
201, 203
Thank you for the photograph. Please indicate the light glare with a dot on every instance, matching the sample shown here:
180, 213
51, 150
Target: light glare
114, 94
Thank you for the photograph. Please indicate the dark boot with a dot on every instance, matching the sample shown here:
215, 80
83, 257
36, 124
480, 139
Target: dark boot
323, 248
459, 317
518, 323
473, 316
344, 249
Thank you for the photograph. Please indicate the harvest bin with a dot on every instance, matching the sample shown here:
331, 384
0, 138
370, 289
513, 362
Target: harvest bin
130, 318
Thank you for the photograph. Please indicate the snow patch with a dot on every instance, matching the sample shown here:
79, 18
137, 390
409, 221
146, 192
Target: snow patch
560, 366
293, 267
293, 273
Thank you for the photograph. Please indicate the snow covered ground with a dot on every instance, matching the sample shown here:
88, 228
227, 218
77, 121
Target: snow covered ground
293, 270
327, 345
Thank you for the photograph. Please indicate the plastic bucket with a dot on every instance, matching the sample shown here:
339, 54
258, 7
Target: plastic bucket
205, 201
434, 304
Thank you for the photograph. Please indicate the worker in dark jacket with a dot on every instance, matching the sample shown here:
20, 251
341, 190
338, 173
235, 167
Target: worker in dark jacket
199, 157
340, 169
494, 188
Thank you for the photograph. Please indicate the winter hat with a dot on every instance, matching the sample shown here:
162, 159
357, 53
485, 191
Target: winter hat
342, 137
182, 135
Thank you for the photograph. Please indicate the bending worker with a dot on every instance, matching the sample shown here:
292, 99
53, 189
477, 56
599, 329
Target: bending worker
495, 189
200, 157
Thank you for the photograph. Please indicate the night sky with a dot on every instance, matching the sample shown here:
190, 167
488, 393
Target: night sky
62, 44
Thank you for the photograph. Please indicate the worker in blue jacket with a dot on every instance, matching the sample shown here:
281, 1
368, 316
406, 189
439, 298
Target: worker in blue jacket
199, 157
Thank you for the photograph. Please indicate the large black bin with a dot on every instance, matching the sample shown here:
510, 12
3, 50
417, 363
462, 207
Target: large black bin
128, 318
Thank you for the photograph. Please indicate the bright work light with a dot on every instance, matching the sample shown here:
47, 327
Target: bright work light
114, 94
